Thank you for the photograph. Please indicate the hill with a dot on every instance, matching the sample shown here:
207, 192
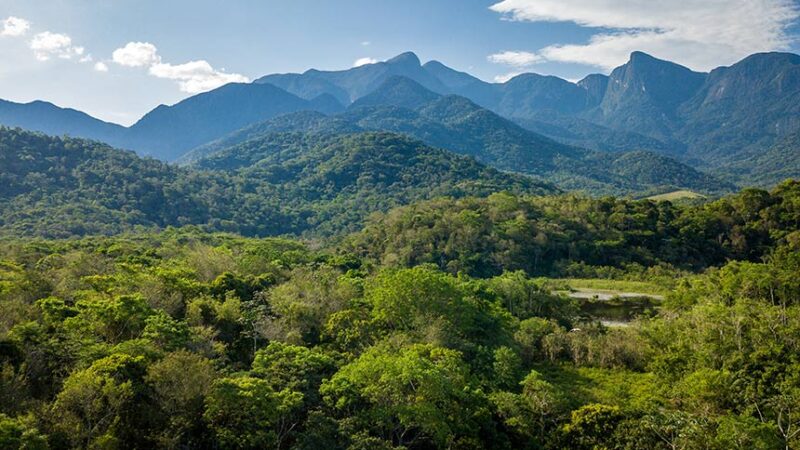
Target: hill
290, 184
779, 162
53, 120
167, 132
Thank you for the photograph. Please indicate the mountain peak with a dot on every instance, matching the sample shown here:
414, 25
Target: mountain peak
407, 58
641, 56
397, 91
761, 63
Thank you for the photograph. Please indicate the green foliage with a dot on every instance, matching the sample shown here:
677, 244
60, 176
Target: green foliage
184, 339
246, 413
409, 395
20, 434
287, 184
562, 235
592, 426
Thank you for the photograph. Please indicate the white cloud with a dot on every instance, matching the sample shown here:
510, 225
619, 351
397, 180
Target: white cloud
101, 66
364, 61
366, 43
515, 59
136, 54
701, 34
196, 76
14, 27
193, 77
47, 45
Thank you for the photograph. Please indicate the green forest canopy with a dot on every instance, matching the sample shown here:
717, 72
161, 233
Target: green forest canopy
426, 330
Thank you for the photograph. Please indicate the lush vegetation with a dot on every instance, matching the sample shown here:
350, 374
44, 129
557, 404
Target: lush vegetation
576, 236
312, 185
454, 123
427, 330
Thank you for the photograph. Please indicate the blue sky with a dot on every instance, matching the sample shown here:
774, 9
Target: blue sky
118, 59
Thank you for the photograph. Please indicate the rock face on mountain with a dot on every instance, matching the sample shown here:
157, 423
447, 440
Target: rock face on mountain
742, 109
645, 94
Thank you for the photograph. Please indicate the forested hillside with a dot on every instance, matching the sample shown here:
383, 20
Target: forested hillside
570, 235
62, 187
736, 121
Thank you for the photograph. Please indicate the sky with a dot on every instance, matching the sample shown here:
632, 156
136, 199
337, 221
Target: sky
118, 59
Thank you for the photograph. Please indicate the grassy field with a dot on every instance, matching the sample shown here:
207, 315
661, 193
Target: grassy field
609, 286
676, 195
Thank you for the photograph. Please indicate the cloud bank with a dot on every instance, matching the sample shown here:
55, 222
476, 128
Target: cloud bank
45, 45
48, 45
193, 77
136, 54
701, 34
14, 27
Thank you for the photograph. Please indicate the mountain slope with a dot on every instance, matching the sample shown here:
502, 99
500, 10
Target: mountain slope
530, 93
169, 131
310, 122
295, 184
51, 119
644, 94
397, 91
744, 108
342, 179
717, 121
768, 168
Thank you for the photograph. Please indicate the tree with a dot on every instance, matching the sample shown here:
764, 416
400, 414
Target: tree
303, 304
20, 433
592, 426
180, 382
294, 368
95, 405
437, 308
246, 413
408, 395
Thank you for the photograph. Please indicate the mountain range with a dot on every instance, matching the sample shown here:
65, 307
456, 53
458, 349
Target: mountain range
401, 105
738, 124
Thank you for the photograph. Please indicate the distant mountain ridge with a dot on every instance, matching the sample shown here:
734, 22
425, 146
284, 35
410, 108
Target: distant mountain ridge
53, 120
713, 121
455, 123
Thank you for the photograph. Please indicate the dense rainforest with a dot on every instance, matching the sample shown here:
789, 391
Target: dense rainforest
296, 183
443, 324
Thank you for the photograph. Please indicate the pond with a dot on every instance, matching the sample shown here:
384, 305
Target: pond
615, 309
